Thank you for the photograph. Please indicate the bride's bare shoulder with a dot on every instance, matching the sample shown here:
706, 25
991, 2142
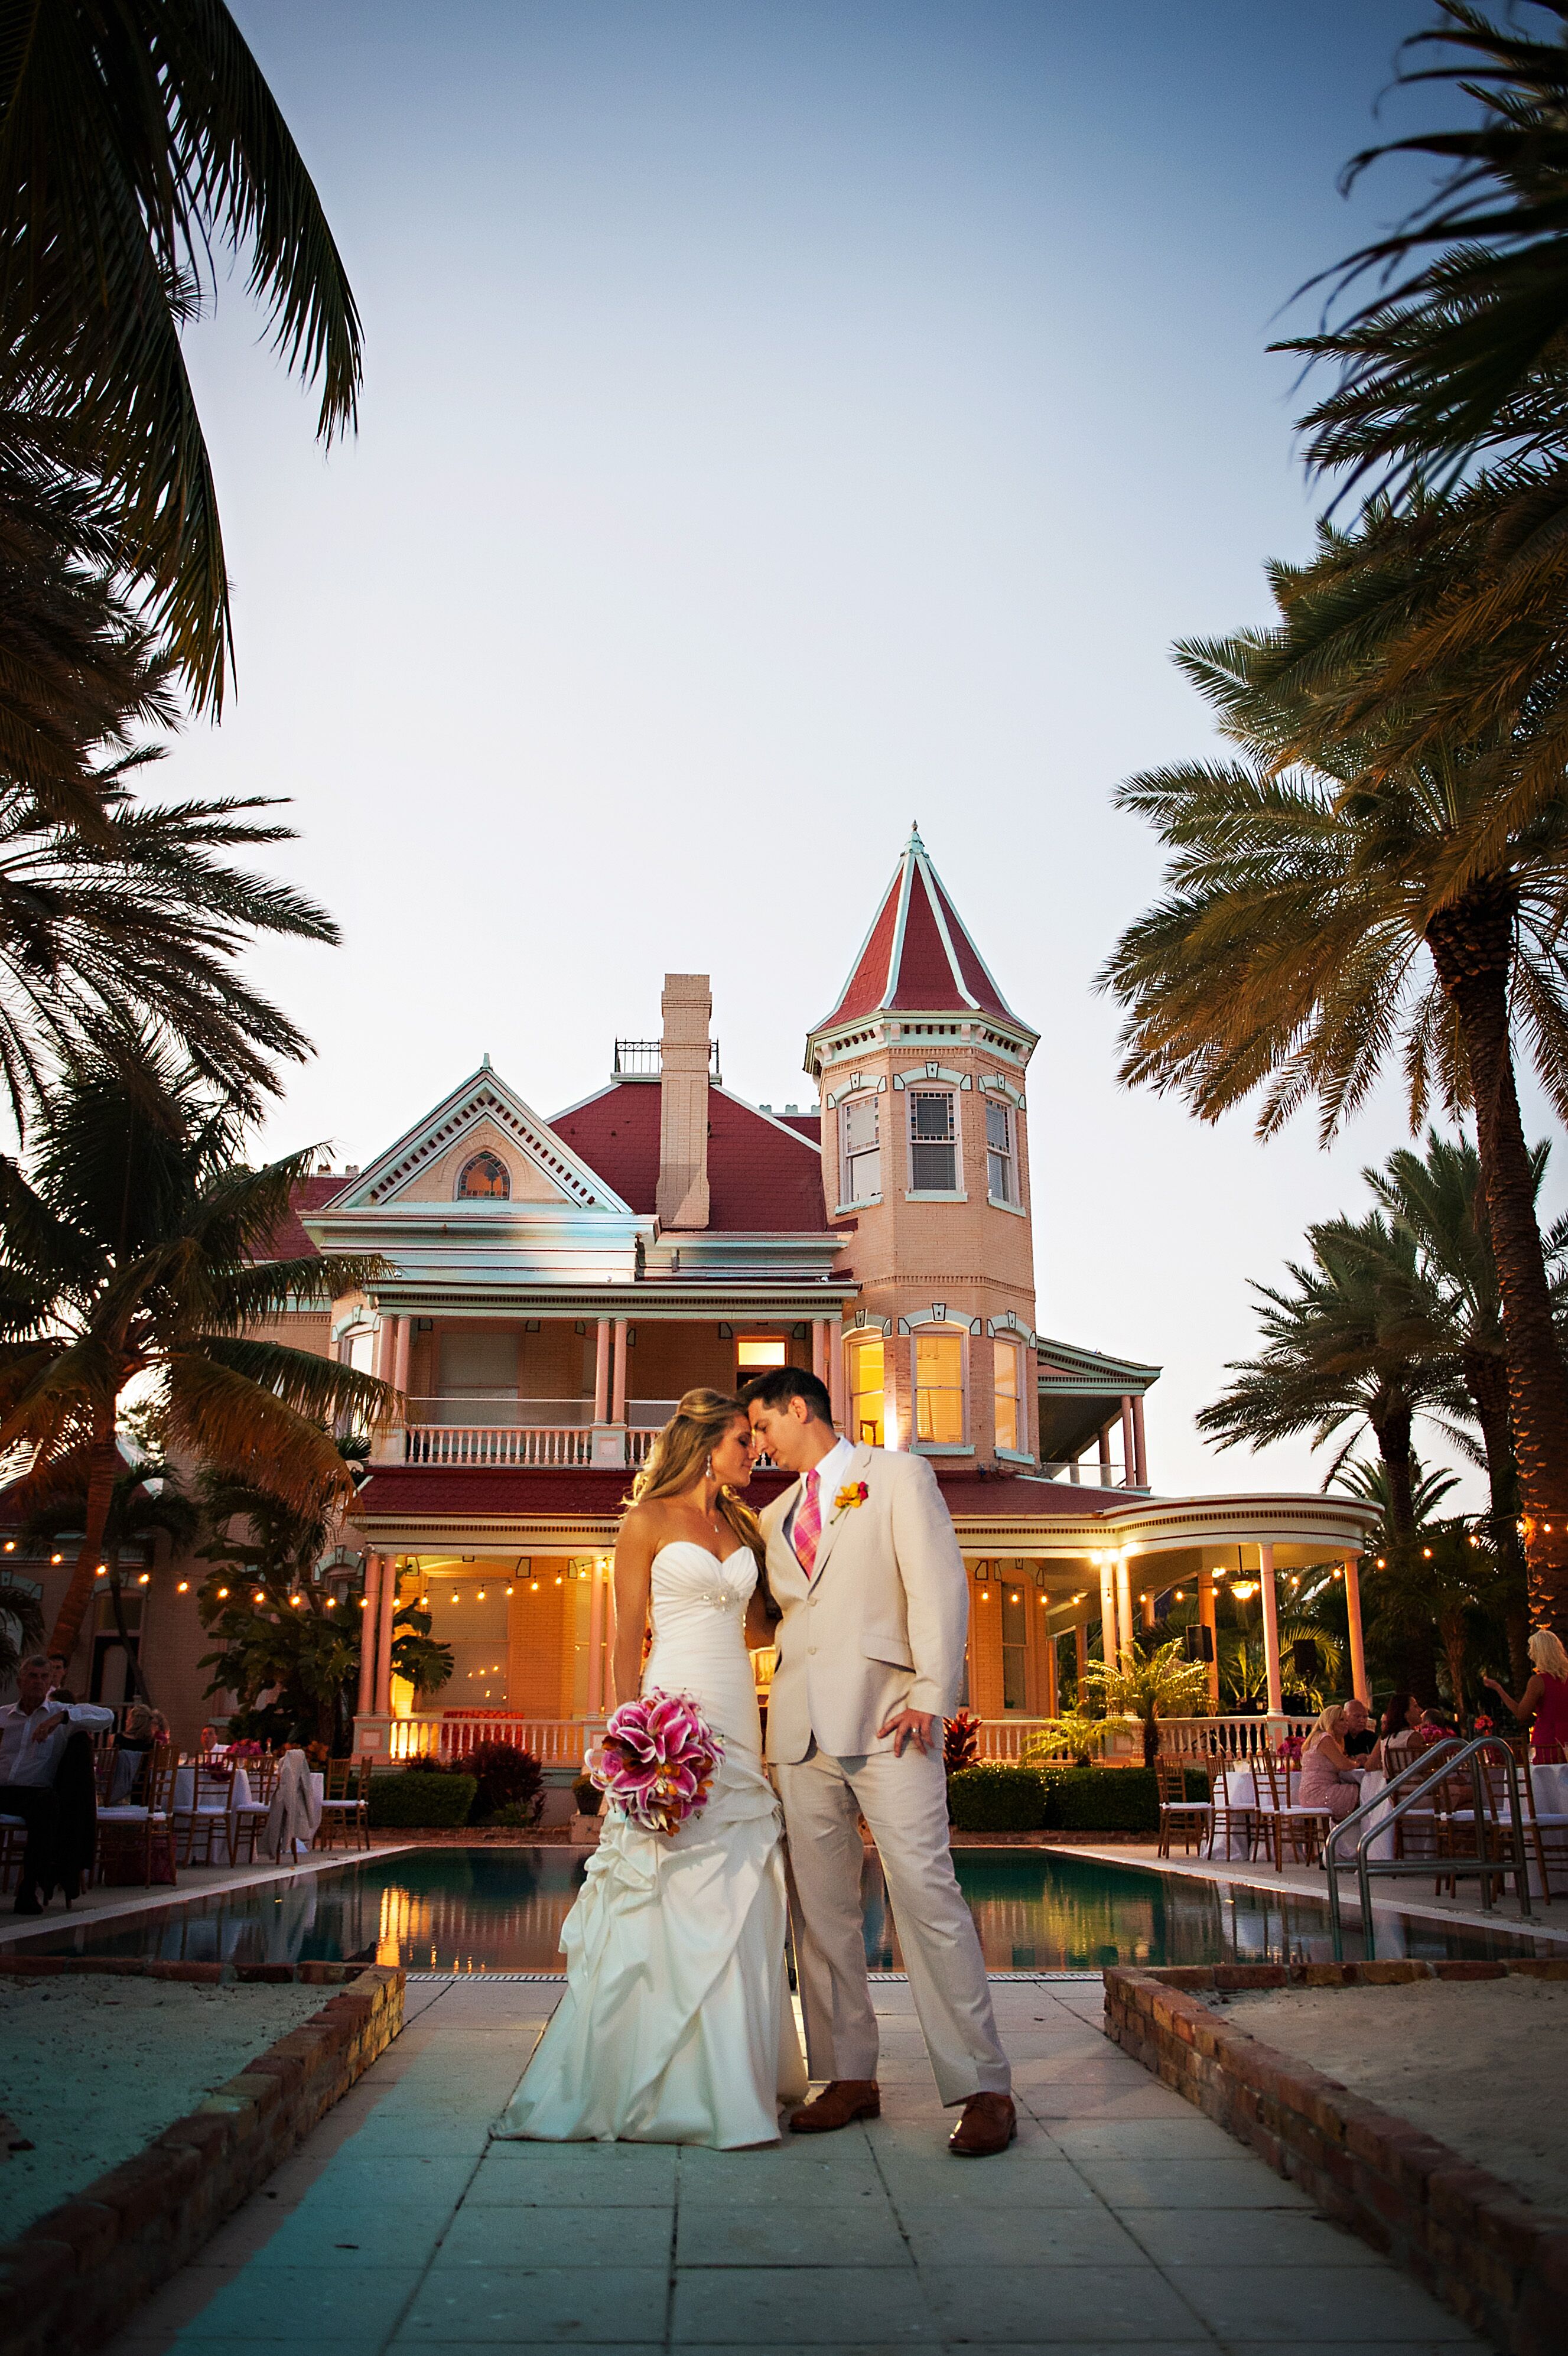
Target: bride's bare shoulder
648, 1522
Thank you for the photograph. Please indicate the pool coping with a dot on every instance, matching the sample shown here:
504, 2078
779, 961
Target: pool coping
70, 2280
13, 1935
1495, 2260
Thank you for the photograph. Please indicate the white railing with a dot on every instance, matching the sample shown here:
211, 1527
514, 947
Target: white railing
489, 1443
1230, 1738
453, 1734
1089, 1473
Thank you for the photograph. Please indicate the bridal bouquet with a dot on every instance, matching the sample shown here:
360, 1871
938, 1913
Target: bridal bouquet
658, 1761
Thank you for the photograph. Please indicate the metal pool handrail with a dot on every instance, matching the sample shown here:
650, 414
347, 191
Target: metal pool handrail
1448, 1760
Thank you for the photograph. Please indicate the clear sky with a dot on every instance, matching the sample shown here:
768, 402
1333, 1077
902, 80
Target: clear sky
785, 418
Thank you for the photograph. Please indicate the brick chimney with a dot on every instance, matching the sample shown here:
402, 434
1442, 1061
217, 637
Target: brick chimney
682, 1196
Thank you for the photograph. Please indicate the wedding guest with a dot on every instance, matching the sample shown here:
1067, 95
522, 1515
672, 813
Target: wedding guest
1543, 1705
209, 1740
1326, 1781
132, 1745
1401, 1719
33, 1730
1359, 1738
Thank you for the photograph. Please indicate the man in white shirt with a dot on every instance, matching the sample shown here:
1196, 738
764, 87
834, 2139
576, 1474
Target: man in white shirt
33, 1730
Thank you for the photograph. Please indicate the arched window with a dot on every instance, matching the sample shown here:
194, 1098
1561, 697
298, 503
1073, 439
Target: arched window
484, 1179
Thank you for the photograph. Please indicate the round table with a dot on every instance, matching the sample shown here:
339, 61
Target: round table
1549, 1789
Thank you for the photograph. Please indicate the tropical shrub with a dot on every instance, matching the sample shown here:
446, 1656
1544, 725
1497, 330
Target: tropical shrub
960, 1740
508, 1777
994, 1797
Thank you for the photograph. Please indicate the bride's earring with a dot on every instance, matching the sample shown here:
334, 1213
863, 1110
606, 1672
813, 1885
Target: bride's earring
710, 1475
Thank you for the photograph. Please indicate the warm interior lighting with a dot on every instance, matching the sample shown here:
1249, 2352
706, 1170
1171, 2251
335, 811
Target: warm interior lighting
558, 1582
535, 1585
454, 1596
1180, 1595
985, 1595
1014, 1598
1244, 1589
481, 1596
511, 1590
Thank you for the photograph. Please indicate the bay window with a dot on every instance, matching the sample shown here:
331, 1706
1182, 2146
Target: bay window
1009, 1396
1000, 1168
865, 1392
862, 1154
939, 1389
933, 1141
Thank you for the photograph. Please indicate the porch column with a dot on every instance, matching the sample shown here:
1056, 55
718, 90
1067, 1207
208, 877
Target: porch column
1108, 1647
618, 1380
1358, 1685
403, 1352
1129, 1446
1206, 1620
1080, 1648
1140, 1451
596, 1642
836, 1372
386, 1348
1270, 1631
820, 1348
1050, 1697
370, 1622
602, 1372
384, 1644
1148, 1607
1105, 1456
1125, 1649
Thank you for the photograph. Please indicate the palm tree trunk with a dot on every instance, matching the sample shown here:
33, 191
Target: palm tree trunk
102, 1471
1486, 1380
1472, 944
1450, 1627
1392, 1432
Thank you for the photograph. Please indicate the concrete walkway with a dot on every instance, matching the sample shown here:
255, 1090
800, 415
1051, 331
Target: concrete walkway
1120, 2218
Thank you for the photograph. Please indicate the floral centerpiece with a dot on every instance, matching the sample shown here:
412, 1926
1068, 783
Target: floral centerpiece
658, 1761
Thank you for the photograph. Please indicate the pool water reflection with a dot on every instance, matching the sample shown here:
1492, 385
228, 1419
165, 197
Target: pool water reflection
501, 1910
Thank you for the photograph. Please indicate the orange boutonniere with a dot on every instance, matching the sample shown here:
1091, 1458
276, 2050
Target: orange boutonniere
855, 1493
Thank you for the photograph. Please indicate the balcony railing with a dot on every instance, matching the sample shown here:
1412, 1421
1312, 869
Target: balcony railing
489, 1443
1092, 1473
453, 1733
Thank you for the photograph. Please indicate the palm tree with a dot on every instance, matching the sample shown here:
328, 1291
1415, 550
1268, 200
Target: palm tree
1463, 352
137, 137
130, 929
21, 1622
148, 1501
1325, 911
138, 1248
1333, 1356
1159, 1684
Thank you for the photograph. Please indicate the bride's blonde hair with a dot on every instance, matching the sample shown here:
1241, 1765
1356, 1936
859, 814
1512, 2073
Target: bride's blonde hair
678, 1454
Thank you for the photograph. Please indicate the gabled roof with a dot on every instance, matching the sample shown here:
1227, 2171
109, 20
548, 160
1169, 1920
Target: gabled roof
919, 956
288, 1239
484, 1099
765, 1175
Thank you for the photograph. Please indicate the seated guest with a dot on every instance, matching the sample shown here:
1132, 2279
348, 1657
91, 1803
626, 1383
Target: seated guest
209, 1742
1358, 1737
160, 1727
1401, 1719
133, 1745
33, 1730
1326, 1781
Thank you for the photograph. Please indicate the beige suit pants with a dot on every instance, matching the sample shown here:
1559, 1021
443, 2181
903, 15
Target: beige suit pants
905, 1803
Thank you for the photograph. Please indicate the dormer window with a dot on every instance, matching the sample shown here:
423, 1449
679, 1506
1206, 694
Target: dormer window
933, 1141
1001, 1165
862, 1151
485, 1179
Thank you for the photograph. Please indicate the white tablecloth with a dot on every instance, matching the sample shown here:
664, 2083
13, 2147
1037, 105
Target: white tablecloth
184, 1789
1238, 1788
1549, 1786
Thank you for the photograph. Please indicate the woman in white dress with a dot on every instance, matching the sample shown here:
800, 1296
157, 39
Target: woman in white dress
676, 2026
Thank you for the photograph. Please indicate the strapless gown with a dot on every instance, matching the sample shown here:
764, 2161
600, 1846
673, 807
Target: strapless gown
676, 2026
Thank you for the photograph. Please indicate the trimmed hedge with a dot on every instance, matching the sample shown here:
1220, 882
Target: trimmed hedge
421, 1799
996, 1797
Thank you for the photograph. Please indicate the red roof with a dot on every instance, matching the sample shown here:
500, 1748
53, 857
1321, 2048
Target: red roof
760, 1181
290, 1240
595, 1493
918, 956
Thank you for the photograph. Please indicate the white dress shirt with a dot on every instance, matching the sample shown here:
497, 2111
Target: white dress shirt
24, 1762
832, 1472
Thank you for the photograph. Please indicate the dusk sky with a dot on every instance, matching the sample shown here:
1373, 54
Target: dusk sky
782, 422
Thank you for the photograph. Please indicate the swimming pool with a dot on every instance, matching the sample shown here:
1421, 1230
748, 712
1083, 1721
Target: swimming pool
500, 1909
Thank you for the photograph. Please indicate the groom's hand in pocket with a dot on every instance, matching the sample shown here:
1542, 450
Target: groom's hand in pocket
916, 1725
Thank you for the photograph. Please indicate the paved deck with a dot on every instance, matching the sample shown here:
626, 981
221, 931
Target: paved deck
1119, 2219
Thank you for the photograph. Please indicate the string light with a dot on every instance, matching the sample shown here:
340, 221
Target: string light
146, 1580
57, 1557
481, 1596
361, 1603
1426, 1555
101, 1571
222, 1595
259, 1595
535, 1584
10, 1546
329, 1603
184, 1587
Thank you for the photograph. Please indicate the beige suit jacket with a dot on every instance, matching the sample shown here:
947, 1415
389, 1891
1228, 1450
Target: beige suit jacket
882, 1624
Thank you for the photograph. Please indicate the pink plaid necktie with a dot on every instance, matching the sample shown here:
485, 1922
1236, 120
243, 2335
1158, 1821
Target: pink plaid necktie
808, 1527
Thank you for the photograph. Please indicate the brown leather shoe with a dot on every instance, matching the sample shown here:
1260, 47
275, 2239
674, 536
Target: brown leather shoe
988, 2125
841, 2101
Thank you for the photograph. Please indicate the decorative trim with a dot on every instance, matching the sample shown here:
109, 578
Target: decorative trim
865, 1321
355, 1318
932, 1194
1013, 1210
864, 1203
482, 1097
940, 1448
933, 1071
1007, 1328
938, 1314
993, 1083
857, 1085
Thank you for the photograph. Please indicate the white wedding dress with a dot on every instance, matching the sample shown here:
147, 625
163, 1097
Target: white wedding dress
676, 2026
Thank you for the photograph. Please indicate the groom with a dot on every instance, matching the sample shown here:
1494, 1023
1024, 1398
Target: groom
863, 1564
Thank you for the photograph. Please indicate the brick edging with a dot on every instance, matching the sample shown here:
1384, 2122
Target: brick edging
1497, 2261
73, 2278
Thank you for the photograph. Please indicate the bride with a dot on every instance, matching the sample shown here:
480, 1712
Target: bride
676, 2026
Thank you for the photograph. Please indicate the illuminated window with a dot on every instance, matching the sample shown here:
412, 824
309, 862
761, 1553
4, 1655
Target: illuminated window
862, 1156
933, 1141
484, 1179
1010, 1424
939, 1389
754, 1357
865, 1388
1015, 1616
1001, 1176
